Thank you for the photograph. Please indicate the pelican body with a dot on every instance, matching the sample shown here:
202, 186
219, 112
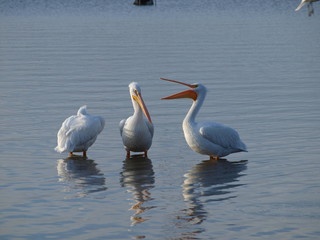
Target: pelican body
79, 132
137, 130
310, 6
208, 138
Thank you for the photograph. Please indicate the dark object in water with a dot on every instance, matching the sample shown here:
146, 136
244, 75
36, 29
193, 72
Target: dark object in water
143, 2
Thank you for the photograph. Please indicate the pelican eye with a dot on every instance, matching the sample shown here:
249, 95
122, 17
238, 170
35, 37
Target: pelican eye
136, 92
195, 85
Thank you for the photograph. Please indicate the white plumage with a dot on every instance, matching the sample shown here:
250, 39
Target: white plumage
137, 130
79, 132
208, 138
310, 6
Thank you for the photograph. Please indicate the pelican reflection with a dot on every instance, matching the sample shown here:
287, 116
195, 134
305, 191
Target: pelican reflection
81, 175
138, 177
210, 180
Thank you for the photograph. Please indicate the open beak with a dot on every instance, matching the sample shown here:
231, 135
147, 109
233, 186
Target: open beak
140, 101
184, 94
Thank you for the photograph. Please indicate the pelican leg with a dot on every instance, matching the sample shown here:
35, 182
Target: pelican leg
214, 158
310, 9
128, 154
84, 154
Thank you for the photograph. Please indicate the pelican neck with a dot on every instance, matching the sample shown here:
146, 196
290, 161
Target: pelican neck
194, 109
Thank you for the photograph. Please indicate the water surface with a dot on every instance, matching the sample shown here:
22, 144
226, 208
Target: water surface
260, 67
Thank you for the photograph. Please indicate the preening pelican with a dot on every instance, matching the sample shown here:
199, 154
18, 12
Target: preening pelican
79, 132
208, 138
137, 131
310, 7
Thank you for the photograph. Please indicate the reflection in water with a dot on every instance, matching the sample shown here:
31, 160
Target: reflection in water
138, 175
81, 175
206, 182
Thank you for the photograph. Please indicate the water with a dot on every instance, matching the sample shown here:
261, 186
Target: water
259, 64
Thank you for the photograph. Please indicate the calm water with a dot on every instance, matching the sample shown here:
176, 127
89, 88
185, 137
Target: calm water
260, 64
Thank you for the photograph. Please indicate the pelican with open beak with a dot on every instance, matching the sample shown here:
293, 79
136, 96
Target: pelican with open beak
209, 138
137, 130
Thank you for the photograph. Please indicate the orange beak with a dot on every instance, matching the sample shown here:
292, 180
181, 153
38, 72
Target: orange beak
141, 103
184, 94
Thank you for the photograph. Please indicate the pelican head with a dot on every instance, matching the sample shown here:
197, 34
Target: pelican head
196, 89
135, 93
82, 110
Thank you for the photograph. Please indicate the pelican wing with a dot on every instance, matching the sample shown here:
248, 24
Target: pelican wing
78, 130
86, 129
221, 135
303, 2
121, 125
63, 140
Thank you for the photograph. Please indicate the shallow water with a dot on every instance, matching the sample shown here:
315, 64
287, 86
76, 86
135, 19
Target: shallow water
260, 68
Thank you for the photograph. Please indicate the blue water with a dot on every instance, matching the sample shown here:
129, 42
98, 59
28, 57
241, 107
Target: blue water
259, 63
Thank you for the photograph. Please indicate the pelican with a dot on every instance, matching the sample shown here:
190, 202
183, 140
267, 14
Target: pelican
310, 7
79, 132
137, 130
207, 138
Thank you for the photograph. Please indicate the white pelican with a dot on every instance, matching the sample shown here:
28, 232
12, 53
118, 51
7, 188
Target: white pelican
208, 138
79, 132
137, 131
310, 7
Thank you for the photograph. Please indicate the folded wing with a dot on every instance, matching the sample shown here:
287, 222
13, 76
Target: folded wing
222, 135
77, 131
